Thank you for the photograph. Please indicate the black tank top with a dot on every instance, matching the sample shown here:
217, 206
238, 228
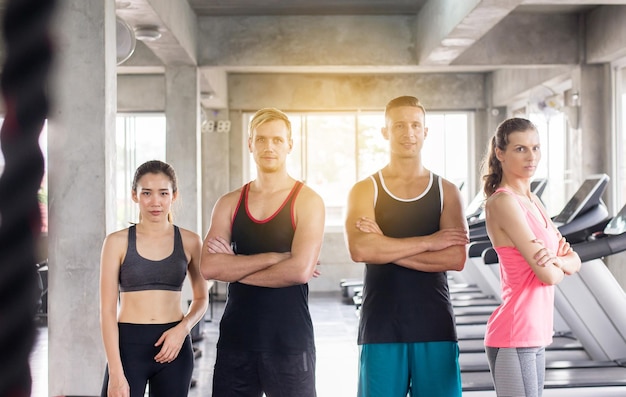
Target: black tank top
260, 318
139, 274
401, 305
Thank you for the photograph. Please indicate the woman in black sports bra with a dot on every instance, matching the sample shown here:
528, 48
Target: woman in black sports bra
146, 338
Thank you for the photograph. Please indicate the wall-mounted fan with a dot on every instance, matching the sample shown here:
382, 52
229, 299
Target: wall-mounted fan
125, 39
544, 101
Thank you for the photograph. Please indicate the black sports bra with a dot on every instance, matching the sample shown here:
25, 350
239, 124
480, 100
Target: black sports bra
139, 274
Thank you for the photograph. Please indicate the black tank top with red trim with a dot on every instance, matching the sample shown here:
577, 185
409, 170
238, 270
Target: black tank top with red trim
260, 318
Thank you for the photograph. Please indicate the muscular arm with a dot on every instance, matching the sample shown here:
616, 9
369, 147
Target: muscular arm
299, 267
218, 262
506, 225
374, 247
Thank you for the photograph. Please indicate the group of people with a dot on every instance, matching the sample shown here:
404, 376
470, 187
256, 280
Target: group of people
405, 223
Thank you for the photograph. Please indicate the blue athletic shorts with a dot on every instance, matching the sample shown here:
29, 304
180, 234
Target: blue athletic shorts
420, 369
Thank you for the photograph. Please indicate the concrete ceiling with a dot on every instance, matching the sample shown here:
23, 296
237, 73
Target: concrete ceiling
305, 7
444, 34
452, 26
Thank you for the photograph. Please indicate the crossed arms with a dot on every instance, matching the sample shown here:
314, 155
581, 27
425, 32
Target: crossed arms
441, 251
507, 226
271, 269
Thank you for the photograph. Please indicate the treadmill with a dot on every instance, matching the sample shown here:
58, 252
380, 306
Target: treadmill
593, 299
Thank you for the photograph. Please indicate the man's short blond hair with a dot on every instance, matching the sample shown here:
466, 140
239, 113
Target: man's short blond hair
264, 115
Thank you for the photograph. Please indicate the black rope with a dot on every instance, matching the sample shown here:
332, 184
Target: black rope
28, 59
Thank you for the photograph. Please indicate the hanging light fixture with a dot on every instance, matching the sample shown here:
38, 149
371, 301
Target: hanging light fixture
147, 33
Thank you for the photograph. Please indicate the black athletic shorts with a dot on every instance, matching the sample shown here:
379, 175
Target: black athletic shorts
250, 374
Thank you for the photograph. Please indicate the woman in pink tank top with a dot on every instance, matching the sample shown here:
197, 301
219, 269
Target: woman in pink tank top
533, 258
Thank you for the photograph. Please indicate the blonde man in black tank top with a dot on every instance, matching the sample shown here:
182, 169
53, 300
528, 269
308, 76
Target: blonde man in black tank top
407, 225
264, 240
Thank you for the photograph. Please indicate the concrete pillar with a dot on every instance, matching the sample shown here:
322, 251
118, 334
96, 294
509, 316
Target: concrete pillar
182, 149
215, 163
595, 119
81, 159
182, 114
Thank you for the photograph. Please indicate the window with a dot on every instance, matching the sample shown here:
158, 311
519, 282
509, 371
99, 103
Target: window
332, 151
139, 138
552, 135
446, 151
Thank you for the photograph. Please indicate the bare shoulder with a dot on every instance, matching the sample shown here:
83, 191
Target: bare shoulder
309, 198
450, 189
192, 244
309, 193
188, 236
500, 203
118, 238
231, 197
228, 201
363, 187
447, 185
115, 246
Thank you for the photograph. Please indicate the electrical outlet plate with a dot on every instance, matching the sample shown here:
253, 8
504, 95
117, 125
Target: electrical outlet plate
208, 126
223, 126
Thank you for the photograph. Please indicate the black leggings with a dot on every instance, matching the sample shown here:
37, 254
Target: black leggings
138, 351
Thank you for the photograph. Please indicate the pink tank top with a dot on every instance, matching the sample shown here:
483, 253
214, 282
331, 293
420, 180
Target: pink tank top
525, 317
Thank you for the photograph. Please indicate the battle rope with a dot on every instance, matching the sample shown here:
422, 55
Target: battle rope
28, 59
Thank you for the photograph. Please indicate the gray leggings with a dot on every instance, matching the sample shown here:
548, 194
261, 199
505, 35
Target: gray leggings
517, 372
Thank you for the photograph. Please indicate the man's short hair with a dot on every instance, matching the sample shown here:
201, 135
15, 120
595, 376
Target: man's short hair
264, 115
404, 101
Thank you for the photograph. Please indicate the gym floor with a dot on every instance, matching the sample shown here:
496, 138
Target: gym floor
335, 325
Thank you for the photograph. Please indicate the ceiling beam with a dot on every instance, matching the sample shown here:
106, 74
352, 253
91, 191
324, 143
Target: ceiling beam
446, 28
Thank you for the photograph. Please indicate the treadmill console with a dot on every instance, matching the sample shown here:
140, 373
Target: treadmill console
475, 207
537, 186
588, 195
617, 225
